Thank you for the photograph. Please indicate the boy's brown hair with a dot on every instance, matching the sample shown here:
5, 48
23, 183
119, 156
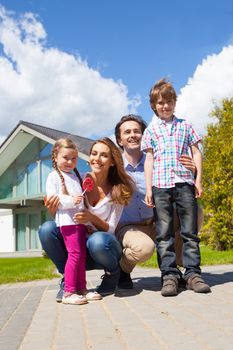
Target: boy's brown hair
164, 89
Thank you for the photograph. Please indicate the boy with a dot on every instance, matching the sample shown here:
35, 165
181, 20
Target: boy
168, 182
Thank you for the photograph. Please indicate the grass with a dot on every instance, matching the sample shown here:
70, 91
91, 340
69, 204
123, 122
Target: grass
208, 257
28, 269
25, 269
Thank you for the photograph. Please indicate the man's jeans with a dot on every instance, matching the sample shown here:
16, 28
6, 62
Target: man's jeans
183, 195
103, 249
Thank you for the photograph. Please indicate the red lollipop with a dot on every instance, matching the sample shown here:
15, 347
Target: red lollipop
88, 184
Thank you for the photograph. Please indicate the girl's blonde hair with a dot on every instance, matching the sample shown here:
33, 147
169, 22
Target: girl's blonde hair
64, 143
122, 184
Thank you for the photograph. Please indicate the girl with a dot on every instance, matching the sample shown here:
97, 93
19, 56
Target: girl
65, 181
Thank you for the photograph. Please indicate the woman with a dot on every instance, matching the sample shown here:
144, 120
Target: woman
112, 190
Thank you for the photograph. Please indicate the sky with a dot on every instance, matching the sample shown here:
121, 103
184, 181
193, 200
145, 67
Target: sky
79, 66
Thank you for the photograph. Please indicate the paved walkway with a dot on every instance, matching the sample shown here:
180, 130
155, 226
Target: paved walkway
140, 319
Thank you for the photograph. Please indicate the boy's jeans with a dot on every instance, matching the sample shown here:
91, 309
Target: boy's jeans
183, 195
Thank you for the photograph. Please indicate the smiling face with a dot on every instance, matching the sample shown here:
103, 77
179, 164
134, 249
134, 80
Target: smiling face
66, 159
130, 135
165, 108
100, 158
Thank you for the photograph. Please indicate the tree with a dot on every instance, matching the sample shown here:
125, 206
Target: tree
217, 230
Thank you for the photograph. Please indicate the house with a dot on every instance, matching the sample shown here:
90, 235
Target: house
25, 161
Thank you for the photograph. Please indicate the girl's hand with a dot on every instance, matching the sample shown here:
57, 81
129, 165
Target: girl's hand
82, 217
77, 199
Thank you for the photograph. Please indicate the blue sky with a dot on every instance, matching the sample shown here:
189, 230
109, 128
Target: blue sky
128, 42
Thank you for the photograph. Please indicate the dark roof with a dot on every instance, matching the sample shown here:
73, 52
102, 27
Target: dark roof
83, 143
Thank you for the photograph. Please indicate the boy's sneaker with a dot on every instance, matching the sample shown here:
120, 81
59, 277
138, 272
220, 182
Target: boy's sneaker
61, 291
125, 281
197, 284
109, 283
170, 286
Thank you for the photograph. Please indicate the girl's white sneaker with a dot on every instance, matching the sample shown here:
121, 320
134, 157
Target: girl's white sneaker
74, 299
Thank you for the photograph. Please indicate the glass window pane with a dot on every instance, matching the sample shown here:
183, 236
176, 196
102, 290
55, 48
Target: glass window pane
32, 170
20, 232
34, 222
6, 181
83, 166
20, 182
46, 167
46, 151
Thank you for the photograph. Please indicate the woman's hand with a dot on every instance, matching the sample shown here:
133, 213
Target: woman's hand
188, 163
82, 217
52, 204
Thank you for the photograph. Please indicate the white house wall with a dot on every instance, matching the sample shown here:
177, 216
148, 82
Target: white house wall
7, 239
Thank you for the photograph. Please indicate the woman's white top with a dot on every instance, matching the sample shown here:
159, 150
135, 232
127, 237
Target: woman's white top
106, 209
67, 208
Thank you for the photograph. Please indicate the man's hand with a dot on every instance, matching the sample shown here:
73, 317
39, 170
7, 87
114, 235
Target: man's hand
188, 162
52, 204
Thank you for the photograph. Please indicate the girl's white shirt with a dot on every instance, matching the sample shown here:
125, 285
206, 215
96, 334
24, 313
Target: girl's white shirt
106, 209
67, 208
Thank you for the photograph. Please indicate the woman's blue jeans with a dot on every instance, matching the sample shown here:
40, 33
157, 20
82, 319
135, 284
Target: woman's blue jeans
103, 249
183, 195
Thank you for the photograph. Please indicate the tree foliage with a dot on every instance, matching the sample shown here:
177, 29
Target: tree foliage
217, 230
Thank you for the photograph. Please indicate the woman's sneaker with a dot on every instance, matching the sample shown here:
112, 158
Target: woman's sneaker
60, 293
74, 299
109, 283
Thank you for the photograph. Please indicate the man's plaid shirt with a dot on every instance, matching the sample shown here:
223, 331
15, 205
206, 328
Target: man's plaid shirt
168, 145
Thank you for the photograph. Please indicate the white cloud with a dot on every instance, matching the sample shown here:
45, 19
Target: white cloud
51, 87
211, 82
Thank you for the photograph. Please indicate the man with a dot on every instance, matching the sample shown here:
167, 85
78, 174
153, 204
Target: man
136, 229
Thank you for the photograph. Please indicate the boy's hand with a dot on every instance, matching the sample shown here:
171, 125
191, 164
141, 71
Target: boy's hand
148, 199
52, 204
198, 189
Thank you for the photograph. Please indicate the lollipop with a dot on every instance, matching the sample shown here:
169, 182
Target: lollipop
88, 184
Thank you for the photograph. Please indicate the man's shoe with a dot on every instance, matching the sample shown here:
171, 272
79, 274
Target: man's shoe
109, 283
61, 291
170, 286
125, 281
197, 284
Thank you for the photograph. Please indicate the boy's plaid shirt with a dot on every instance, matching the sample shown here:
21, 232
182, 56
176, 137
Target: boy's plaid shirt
168, 145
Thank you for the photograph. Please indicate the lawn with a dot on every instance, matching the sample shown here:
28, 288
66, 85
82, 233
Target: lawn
208, 257
28, 269
25, 269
